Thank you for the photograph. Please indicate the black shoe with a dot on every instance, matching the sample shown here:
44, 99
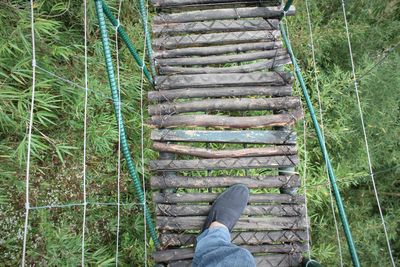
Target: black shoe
228, 206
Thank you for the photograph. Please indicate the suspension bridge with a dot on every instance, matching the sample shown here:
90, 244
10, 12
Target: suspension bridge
222, 112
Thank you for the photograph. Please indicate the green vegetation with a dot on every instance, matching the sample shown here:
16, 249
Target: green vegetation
56, 170
374, 28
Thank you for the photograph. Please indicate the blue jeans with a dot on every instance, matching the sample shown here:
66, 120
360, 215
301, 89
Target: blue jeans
214, 249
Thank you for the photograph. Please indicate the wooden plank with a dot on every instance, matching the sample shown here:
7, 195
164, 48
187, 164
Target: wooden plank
270, 260
224, 163
187, 61
258, 66
172, 3
238, 238
215, 26
217, 50
232, 153
244, 223
188, 253
187, 93
227, 122
279, 260
209, 197
225, 79
227, 104
161, 182
246, 136
253, 210
172, 42
219, 14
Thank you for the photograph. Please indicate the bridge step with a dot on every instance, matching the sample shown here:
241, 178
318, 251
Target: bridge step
238, 238
222, 14
244, 223
220, 77
225, 79
224, 163
188, 253
257, 210
209, 197
207, 60
259, 65
169, 42
173, 3
227, 104
172, 181
273, 260
217, 50
218, 92
246, 136
215, 26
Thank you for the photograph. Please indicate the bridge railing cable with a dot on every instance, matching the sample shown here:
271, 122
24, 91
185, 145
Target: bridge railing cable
127, 41
364, 132
124, 143
323, 128
332, 178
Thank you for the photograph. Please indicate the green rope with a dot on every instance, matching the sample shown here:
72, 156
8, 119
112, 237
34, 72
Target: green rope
117, 108
126, 40
149, 49
322, 145
286, 8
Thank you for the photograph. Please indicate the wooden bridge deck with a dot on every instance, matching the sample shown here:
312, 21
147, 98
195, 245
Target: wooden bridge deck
222, 114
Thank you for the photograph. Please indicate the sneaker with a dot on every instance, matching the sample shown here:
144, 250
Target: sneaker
228, 207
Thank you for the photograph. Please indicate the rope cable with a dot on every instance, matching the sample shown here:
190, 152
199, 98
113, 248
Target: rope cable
85, 134
304, 124
142, 141
119, 137
323, 128
124, 143
321, 141
144, 17
364, 132
31, 114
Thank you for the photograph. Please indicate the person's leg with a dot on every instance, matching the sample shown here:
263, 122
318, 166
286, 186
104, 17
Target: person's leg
214, 247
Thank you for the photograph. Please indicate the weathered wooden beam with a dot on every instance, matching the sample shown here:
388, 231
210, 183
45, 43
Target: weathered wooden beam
232, 153
244, 223
172, 42
172, 3
227, 122
188, 253
258, 66
215, 26
253, 210
227, 104
270, 260
250, 56
224, 163
161, 182
217, 50
219, 14
169, 95
210, 197
238, 238
225, 79
246, 136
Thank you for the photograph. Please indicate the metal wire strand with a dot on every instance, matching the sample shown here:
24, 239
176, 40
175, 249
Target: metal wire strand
31, 115
84, 135
323, 128
364, 132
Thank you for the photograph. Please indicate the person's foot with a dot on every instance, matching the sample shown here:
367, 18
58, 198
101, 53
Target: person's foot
228, 207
